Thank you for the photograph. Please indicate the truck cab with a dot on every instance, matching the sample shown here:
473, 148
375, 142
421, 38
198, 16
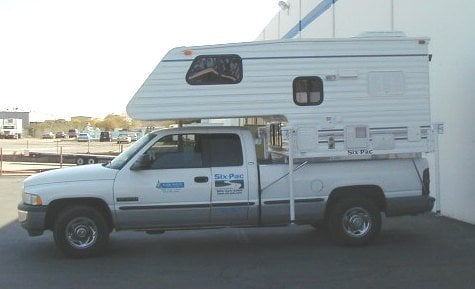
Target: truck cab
187, 177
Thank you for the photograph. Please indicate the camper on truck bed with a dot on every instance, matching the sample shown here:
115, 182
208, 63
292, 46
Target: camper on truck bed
347, 122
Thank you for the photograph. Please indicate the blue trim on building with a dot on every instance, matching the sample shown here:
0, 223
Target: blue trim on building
314, 14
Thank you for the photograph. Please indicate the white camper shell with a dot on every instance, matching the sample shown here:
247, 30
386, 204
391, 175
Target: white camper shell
365, 95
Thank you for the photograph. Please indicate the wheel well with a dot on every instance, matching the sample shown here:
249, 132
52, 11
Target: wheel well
370, 192
55, 207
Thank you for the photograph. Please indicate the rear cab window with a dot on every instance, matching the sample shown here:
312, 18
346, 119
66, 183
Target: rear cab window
223, 150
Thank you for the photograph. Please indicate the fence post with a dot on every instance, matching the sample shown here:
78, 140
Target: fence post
60, 156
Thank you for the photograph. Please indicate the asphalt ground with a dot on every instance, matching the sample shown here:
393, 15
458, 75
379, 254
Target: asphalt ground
426, 251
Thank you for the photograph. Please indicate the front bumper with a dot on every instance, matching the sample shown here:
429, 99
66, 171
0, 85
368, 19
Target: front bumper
409, 205
32, 218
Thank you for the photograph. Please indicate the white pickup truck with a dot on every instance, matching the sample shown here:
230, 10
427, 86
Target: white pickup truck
208, 177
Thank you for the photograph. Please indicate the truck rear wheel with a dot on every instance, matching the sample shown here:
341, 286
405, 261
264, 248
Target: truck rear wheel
81, 231
354, 221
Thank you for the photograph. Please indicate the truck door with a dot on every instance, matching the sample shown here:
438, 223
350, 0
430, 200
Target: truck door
173, 191
229, 182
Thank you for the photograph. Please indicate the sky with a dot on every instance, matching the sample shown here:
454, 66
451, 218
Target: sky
63, 58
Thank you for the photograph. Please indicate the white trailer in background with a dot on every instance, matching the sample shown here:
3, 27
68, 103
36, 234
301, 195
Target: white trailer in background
11, 128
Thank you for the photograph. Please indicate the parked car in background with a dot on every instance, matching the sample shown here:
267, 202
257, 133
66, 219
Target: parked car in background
133, 136
73, 132
48, 135
61, 134
105, 136
84, 137
124, 138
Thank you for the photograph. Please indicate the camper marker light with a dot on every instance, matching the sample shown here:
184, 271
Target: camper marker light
188, 52
422, 41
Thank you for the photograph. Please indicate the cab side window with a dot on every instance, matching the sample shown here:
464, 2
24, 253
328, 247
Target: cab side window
180, 151
176, 151
222, 150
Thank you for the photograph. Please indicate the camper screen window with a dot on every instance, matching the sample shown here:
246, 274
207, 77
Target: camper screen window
308, 90
215, 69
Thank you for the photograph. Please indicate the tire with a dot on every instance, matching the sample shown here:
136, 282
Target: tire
80, 161
91, 161
81, 231
354, 221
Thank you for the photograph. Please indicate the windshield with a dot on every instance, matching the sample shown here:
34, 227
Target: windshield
119, 161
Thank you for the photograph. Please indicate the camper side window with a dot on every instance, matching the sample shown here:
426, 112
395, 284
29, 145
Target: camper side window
215, 69
308, 90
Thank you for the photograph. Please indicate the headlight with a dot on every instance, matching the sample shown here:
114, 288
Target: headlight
31, 199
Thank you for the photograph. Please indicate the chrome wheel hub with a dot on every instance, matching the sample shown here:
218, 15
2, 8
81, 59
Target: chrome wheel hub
81, 232
356, 222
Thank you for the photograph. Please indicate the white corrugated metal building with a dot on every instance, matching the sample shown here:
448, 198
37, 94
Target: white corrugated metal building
450, 27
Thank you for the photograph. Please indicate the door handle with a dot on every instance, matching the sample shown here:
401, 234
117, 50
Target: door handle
201, 179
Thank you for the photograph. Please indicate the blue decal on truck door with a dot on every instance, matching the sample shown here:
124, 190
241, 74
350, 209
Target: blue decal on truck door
170, 187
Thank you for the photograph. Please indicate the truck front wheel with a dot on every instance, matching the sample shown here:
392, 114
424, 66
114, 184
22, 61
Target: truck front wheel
354, 221
81, 231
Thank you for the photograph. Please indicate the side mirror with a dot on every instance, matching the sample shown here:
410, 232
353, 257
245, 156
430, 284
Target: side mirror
142, 163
